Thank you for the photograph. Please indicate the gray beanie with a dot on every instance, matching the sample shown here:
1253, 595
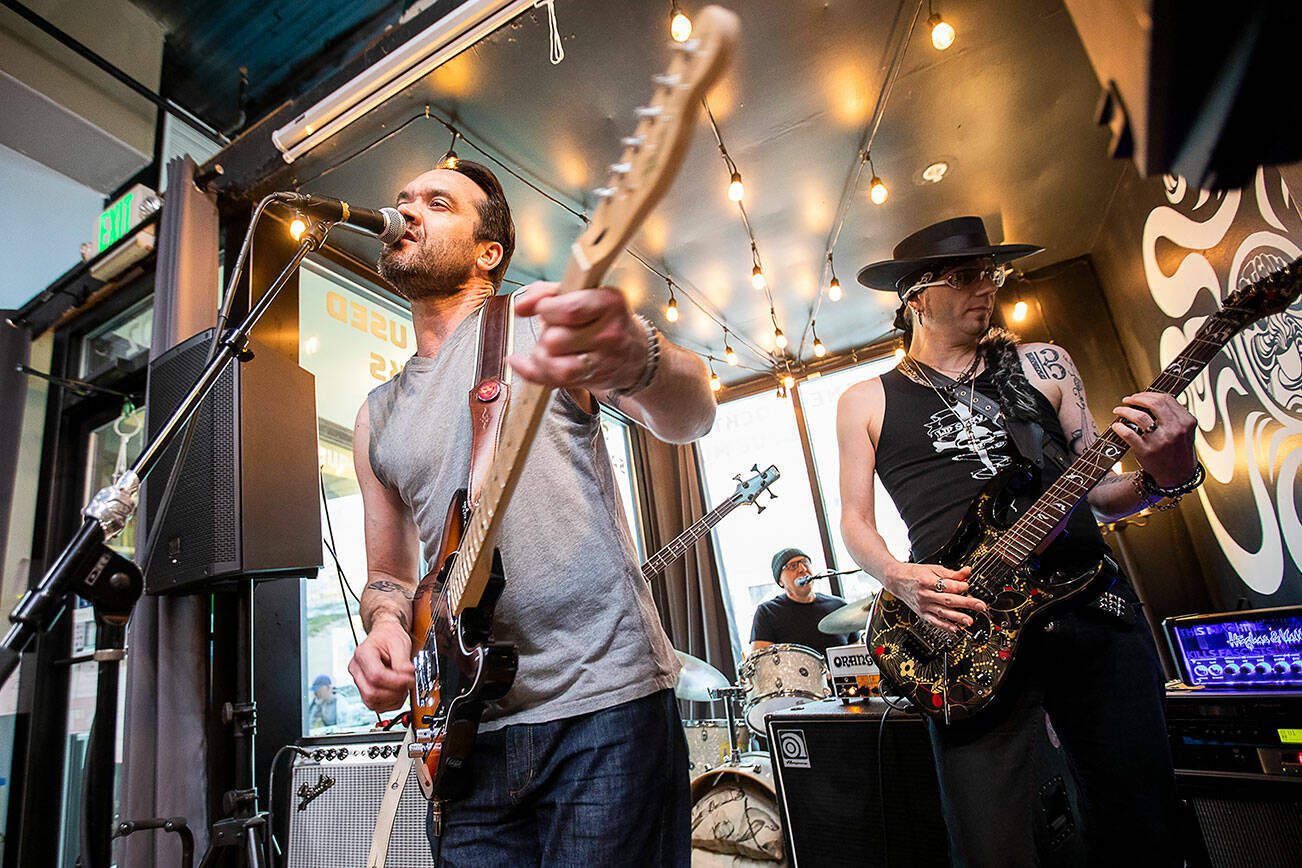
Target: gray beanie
780, 560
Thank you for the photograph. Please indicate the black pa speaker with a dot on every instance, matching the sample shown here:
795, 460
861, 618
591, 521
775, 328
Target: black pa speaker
246, 503
334, 797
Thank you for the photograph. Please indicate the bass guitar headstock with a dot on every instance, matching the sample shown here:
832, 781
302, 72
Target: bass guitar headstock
1273, 293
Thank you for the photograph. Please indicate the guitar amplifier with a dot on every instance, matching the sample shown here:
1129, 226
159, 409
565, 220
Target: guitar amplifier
333, 798
858, 789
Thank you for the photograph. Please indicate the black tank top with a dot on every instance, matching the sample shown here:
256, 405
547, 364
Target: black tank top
933, 469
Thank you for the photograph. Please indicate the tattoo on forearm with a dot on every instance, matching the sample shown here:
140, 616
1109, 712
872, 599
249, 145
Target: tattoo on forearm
1046, 364
385, 586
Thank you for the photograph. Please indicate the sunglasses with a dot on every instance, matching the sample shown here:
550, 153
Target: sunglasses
960, 278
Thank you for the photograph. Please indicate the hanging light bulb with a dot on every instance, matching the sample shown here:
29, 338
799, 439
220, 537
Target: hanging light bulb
899, 353
779, 339
715, 383
297, 228
671, 310
735, 188
730, 354
877, 191
782, 390
942, 32
819, 349
680, 26
450, 159
757, 278
788, 381
1019, 311
834, 292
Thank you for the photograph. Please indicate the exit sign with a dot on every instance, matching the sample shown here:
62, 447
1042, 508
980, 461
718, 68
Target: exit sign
119, 218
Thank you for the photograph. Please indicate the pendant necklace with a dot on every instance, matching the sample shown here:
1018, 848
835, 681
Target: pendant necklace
916, 373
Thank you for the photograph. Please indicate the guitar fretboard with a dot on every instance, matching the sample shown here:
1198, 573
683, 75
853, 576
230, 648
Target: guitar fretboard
679, 545
1047, 515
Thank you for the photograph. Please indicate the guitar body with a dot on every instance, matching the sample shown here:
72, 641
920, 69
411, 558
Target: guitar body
953, 677
458, 668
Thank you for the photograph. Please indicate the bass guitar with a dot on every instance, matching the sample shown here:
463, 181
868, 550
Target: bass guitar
1015, 570
459, 668
746, 492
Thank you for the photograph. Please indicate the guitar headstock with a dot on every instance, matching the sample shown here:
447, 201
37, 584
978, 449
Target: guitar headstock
1271, 294
652, 153
752, 488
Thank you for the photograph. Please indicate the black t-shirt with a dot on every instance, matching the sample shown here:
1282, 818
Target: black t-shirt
782, 619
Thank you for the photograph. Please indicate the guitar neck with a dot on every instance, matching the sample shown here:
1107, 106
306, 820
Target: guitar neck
679, 545
1045, 517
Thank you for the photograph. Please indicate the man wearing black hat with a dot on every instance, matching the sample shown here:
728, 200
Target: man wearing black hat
792, 617
936, 430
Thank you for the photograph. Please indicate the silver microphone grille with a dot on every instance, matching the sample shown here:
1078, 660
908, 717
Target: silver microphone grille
395, 226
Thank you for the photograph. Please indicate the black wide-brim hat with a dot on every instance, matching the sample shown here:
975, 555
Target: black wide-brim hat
940, 244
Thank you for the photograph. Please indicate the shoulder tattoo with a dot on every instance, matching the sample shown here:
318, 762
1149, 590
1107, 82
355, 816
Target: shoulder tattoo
1047, 363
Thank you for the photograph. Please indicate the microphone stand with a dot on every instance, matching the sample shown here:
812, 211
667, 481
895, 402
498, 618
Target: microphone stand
809, 580
113, 583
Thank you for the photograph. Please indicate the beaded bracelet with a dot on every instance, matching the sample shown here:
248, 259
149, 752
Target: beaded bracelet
652, 360
1150, 493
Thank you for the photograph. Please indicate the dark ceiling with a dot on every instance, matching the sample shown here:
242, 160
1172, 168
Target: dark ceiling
1009, 106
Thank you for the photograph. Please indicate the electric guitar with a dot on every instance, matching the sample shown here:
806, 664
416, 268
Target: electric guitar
1015, 569
746, 492
459, 668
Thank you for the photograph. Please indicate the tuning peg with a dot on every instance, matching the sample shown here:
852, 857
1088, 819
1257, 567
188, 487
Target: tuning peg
620, 168
604, 192
688, 46
666, 79
633, 141
737, 476
649, 111
759, 507
754, 468
772, 496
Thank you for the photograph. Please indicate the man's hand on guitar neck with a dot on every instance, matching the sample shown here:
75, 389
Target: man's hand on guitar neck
937, 594
381, 666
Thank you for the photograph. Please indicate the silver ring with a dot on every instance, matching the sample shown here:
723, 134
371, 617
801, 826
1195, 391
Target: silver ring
589, 369
1152, 428
940, 586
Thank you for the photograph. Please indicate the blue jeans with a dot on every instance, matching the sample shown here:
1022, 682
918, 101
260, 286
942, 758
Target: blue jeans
601, 789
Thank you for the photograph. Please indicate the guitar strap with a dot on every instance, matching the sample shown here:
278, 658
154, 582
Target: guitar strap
488, 399
389, 804
491, 390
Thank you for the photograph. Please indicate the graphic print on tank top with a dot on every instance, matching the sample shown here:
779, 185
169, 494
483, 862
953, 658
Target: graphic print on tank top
970, 437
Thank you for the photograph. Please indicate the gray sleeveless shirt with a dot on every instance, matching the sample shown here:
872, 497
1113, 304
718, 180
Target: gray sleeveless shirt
575, 604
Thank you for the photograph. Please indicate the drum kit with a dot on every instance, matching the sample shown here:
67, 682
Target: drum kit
727, 759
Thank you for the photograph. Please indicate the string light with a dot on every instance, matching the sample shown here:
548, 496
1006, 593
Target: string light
788, 381
942, 32
297, 228
728, 352
899, 353
450, 159
779, 339
680, 26
877, 191
736, 190
671, 309
834, 292
1019, 311
819, 349
715, 383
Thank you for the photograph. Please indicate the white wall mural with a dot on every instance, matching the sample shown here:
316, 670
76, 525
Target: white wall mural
1248, 402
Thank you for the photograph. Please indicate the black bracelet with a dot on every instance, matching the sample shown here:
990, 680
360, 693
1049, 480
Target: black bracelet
1150, 487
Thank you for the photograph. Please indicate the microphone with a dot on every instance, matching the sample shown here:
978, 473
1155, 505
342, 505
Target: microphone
386, 224
805, 580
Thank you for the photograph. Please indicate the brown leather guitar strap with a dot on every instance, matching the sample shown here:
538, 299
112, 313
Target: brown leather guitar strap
491, 390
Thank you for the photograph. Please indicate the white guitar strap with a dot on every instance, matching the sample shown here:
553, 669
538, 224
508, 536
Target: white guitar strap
389, 805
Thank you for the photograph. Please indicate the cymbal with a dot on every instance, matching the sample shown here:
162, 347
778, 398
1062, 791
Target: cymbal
696, 679
850, 618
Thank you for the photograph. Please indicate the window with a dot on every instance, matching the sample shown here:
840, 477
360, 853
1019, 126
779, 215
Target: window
353, 339
818, 400
619, 444
758, 430
761, 429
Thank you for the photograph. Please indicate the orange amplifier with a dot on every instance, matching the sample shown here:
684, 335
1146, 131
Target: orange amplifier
853, 672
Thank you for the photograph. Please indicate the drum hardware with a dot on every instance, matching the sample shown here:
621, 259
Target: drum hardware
780, 676
729, 694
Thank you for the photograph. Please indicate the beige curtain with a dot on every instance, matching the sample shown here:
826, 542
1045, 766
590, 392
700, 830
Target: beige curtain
688, 593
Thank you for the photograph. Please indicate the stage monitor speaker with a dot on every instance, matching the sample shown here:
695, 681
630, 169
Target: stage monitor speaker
833, 762
343, 783
247, 502
1244, 821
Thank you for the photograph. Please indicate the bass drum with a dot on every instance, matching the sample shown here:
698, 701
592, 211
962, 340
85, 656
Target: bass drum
735, 816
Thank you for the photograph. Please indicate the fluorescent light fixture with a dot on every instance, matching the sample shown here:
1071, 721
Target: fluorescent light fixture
416, 58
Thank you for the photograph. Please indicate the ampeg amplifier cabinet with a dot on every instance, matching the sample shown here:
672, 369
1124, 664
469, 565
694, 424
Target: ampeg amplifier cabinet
333, 799
246, 503
856, 789
1238, 761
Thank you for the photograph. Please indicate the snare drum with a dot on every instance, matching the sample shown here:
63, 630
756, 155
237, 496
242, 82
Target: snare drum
779, 677
707, 744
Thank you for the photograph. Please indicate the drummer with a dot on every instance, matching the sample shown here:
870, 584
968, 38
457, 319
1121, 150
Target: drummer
792, 616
